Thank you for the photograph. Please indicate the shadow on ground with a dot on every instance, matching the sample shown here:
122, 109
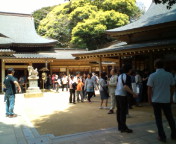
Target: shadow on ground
80, 117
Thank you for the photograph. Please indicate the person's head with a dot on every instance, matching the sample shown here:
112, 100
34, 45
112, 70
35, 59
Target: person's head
103, 75
127, 68
113, 71
71, 77
79, 80
10, 71
159, 63
84, 75
78, 74
89, 75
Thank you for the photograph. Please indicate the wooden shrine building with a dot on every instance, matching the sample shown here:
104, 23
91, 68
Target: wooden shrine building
141, 42
21, 46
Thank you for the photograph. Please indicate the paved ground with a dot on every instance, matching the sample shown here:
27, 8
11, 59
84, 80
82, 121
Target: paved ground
21, 131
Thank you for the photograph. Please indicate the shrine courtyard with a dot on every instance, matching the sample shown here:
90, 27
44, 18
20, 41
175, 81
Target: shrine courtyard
52, 114
52, 120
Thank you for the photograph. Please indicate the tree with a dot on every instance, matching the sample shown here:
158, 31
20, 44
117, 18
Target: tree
82, 23
90, 32
169, 2
81, 13
40, 14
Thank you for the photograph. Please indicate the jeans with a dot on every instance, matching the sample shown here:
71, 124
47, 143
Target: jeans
10, 102
81, 94
166, 107
122, 106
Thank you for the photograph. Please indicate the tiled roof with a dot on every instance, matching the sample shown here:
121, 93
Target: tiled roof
62, 54
6, 53
5, 41
7, 50
31, 56
156, 14
123, 47
19, 29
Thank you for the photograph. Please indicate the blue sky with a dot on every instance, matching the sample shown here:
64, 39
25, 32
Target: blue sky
28, 6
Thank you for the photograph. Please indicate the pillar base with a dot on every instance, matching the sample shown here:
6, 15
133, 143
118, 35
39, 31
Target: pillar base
33, 95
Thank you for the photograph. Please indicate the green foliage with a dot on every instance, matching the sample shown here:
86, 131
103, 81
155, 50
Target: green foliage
85, 34
82, 23
81, 13
40, 14
90, 32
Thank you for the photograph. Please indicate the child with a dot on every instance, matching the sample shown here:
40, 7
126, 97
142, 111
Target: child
79, 90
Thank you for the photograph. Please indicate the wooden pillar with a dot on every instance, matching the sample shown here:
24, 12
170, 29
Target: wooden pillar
90, 69
120, 62
100, 66
2, 72
30, 64
67, 71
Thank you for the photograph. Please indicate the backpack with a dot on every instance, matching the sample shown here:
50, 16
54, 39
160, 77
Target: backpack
74, 86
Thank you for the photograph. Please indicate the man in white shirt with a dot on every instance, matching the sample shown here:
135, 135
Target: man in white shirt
160, 91
121, 92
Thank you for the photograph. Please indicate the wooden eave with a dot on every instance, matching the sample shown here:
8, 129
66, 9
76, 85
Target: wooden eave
26, 60
129, 52
33, 44
117, 34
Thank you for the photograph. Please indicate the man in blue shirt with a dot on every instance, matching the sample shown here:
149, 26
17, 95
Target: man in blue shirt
160, 91
10, 84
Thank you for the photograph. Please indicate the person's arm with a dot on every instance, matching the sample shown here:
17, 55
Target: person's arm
126, 88
126, 82
114, 83
150, 92
172, 89
17, 84
85, 85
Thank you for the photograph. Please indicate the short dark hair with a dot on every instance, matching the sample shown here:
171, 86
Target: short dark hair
90, 74
10, 70
103, 75
159, 63
71, 76
126, 68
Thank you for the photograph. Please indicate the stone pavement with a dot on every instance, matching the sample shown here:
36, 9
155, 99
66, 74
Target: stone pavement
19, 130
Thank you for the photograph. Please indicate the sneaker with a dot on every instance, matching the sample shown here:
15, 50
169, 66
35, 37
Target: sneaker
101, 107
110, 112
12, 116
106, 107
127, 131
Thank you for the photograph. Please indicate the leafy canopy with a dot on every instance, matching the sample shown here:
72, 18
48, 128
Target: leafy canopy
82, 23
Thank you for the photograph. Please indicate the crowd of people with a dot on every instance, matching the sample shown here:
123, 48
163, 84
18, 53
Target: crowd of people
83, 86
125, 88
